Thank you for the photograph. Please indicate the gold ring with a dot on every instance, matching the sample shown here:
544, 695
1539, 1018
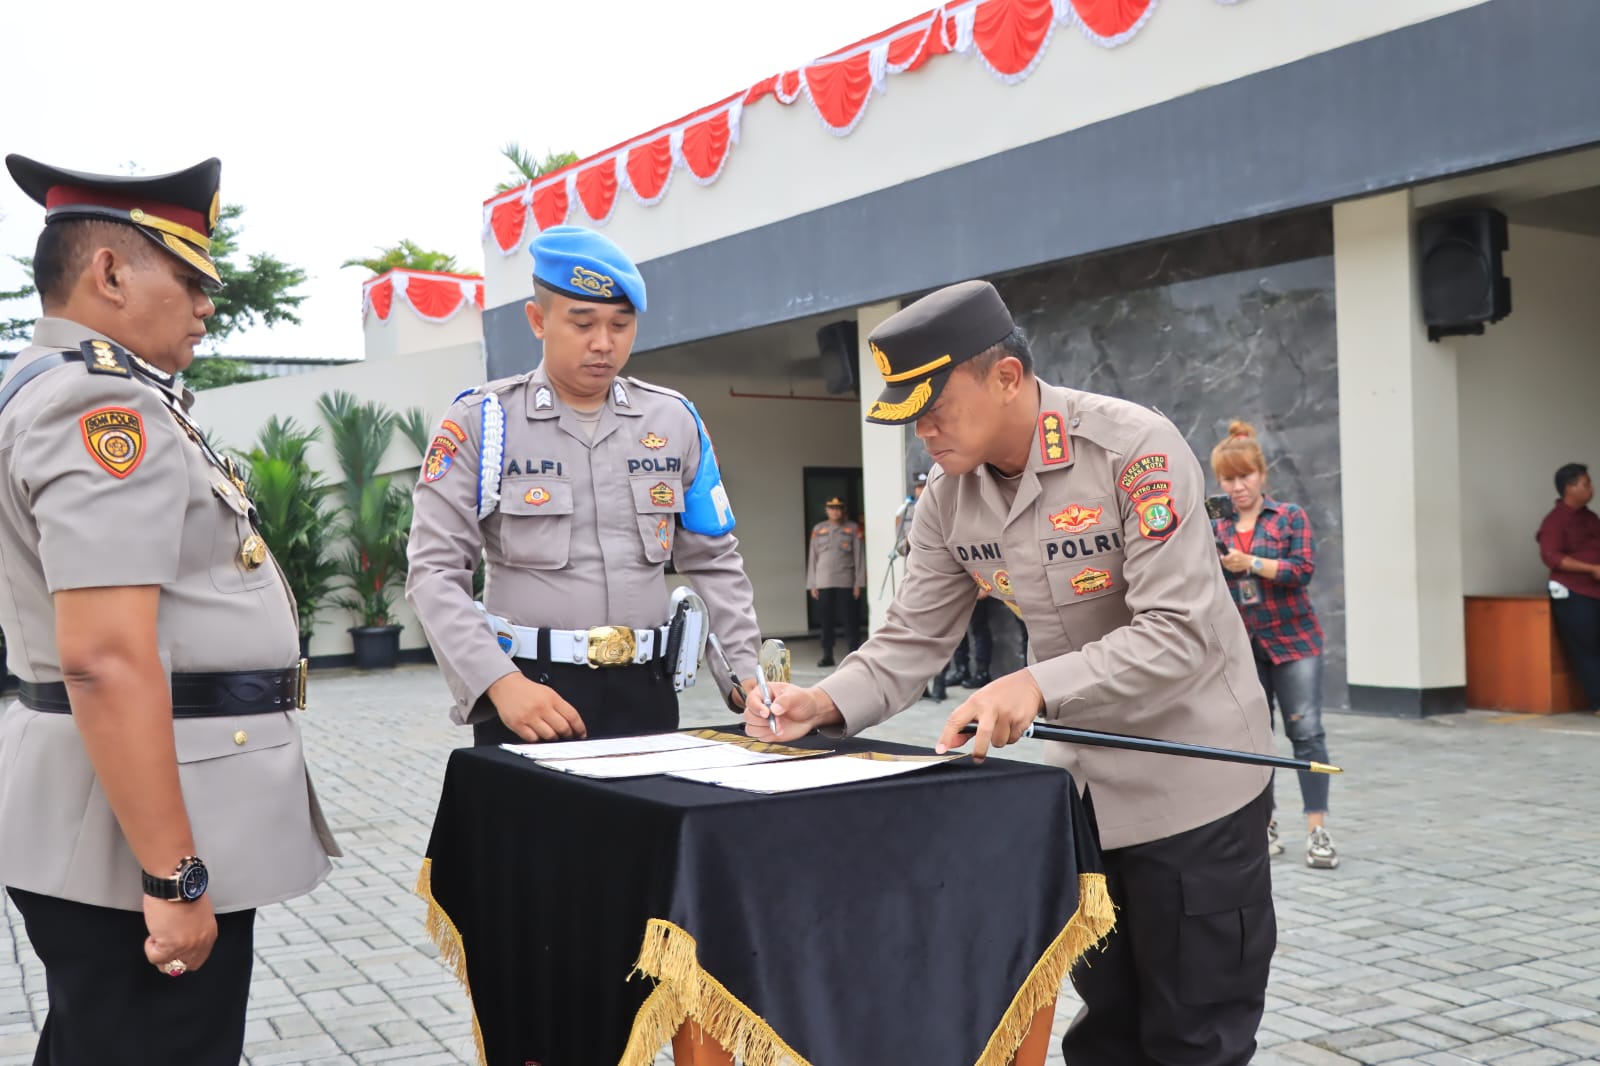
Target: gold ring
176, 968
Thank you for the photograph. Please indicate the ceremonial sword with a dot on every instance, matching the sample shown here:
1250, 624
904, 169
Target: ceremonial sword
1098, 739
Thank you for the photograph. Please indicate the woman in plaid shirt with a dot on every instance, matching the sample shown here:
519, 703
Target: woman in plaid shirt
1268, 559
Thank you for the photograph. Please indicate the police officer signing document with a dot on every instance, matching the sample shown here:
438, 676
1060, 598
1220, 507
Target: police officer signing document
577, 486
152, 787
1083, 514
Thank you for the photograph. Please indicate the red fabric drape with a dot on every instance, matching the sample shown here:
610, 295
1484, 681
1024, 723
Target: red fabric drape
839, 90
507, 221
433, 297
382, 297
597, 188
649, 167
1010, 33
1109, 18
550, 204
477, 295
705, 145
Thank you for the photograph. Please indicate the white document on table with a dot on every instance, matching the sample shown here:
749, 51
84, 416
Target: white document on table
797, 775
659, 762
594, 749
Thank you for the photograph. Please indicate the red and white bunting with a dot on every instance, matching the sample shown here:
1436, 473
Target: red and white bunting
1009, 37
434, 296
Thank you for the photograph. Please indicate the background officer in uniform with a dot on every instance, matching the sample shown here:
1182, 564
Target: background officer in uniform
155, 639
576, 486
1083, 514
836, 563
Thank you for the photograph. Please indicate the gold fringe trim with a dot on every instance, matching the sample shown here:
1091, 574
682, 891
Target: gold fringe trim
443, 932
685, 992
1088, 925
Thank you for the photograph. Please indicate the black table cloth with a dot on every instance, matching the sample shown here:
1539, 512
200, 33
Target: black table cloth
922, 918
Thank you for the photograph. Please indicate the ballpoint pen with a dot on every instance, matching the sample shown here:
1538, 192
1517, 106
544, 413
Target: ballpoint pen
766, 697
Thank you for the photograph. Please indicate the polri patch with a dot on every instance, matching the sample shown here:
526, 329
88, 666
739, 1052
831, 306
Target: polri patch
661, 494
441, 456
1140, 468
653, 442
536, 496
1158, 520
115, 438
1075, 518
454, 430
103, 357
1002, 581
1052, 439
1090, 580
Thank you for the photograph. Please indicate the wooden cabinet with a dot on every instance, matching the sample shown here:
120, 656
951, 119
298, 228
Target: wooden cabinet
1514, 657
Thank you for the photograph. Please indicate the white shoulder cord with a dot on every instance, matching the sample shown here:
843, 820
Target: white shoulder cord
494, 450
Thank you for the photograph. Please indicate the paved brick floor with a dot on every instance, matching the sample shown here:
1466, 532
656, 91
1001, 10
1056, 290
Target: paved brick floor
1462, 927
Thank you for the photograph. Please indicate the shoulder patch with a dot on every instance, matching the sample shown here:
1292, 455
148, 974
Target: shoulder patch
103, 357
1141, 468
115, 439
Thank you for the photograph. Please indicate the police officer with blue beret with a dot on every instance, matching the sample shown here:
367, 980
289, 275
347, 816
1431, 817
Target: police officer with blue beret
576, 486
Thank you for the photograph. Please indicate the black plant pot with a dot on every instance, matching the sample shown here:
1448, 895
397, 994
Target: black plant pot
377, 647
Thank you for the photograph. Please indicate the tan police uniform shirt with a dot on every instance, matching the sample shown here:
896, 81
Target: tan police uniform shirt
581, 534
100, 488
1106, 555
835, 559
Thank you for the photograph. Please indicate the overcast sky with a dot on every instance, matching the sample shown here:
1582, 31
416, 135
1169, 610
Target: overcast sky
344, 126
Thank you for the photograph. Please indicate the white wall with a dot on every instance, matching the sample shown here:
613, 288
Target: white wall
763, 447
404, 331
954, 111
1528, 392
429, 380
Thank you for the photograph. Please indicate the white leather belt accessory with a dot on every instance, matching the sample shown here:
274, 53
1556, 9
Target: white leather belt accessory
596, 647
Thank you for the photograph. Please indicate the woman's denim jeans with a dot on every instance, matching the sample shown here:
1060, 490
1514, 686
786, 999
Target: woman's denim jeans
1294, 691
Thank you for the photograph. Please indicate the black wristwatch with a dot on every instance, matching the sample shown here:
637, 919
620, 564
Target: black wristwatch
185, 886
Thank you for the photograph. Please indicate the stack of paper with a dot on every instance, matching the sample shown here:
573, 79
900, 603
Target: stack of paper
793, 776
623, 757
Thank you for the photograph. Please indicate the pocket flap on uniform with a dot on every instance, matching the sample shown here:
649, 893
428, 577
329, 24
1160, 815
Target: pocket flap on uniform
654, 494
1217, 891
536, 495
199, 739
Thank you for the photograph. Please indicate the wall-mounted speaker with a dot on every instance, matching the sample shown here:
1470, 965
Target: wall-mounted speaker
837, 344
1463, 281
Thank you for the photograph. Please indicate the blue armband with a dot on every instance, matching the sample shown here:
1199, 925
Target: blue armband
706, 509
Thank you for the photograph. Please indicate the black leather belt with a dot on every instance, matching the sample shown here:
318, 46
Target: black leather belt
200, 695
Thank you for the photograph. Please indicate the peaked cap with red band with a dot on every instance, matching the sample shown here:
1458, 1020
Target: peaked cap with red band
177, 211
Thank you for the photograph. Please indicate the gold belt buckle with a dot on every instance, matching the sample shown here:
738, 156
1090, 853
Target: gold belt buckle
611, 646
301, 673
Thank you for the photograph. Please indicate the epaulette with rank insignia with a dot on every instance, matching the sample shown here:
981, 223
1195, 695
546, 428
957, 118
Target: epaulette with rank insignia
104, 357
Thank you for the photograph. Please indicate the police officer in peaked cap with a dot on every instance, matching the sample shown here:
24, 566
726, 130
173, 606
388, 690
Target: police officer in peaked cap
577, 486
153, 792
1082, 514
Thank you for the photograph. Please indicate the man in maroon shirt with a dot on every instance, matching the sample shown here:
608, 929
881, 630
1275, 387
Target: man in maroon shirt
1569, 544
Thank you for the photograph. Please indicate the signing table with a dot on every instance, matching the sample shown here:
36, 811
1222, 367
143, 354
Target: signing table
926, 918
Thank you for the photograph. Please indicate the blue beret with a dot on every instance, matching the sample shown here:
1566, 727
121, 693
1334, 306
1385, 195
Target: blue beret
582, 264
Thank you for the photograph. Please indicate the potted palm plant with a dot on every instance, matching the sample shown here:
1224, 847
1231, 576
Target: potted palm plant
376, 523
292, 513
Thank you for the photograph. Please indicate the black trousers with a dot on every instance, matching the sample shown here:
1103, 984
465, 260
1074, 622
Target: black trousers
834, 604
109, 1005
1182, 979
613, 701
1578, 622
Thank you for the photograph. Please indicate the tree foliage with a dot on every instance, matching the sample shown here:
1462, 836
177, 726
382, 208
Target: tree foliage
376, 520
526, 168
261, 291
13, 328
214, 371
408, 255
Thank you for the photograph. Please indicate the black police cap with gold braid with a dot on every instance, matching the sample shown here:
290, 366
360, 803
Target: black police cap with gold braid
917, 347
177, 211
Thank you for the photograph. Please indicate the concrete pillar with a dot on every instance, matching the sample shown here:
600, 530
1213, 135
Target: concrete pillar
883, 467
1401, 472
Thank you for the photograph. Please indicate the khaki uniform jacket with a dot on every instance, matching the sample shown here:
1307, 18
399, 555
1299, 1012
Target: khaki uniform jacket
68, 521
836, 559
580, 537
1107, 556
